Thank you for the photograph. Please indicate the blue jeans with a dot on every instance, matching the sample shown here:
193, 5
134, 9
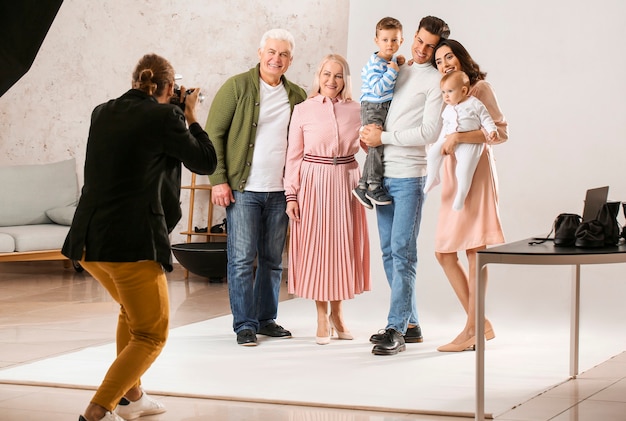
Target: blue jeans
257, 226
398, 227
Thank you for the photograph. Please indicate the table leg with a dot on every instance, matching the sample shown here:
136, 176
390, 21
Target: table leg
574, 322
480, 339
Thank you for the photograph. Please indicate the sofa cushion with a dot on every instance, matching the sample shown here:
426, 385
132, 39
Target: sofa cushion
7, 244
61, 216
37, 237
28, 191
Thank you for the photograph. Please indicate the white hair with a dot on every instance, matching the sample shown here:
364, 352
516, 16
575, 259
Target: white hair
278, 34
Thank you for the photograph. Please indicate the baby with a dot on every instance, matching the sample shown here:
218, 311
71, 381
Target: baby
463, 113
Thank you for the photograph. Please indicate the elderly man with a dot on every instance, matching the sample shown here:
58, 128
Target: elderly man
248, 123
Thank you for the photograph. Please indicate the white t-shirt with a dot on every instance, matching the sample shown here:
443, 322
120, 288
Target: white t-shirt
270, 150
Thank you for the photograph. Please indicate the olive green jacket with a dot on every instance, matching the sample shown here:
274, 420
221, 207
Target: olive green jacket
232, 124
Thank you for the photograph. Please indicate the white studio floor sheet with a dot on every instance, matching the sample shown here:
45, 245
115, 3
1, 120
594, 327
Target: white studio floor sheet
203, 360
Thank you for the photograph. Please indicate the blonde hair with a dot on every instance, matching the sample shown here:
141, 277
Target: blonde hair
346, 92
152, 74
457, 77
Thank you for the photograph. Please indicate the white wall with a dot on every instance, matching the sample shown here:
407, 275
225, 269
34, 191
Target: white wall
557, 68
552, 64
92, 48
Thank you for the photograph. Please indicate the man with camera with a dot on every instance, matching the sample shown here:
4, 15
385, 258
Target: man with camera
248, 123
129, 205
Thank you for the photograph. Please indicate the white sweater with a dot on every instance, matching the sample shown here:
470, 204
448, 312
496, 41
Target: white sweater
413, 121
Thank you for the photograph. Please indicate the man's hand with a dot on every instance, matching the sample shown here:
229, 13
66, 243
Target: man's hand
190, 104
370, 135
222, 195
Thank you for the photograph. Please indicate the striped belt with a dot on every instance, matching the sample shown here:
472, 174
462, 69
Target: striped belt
335, 160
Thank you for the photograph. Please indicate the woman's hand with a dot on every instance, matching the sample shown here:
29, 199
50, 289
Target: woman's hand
371, 135
493, 137
293, 211
452, 140
221, 194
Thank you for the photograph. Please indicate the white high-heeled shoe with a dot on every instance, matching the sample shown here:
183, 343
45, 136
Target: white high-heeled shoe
346, 335
324, 340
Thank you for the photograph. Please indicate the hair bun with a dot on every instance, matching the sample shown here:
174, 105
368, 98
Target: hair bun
146, 75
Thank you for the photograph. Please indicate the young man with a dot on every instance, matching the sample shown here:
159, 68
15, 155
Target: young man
413, 121
248, 123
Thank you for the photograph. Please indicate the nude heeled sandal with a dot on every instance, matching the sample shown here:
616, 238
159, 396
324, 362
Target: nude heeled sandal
324, 340
469, 345
341, 335
489, 333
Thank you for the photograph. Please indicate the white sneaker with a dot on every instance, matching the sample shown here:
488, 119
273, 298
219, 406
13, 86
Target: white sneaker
109, 416
112, 416
144, 406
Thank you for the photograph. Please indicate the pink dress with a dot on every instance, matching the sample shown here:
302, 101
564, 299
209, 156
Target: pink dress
329, 248
478, 223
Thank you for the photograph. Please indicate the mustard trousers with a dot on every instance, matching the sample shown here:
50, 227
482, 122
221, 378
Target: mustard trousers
140, 288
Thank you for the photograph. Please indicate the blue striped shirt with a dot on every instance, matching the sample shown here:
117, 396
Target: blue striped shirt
378, 80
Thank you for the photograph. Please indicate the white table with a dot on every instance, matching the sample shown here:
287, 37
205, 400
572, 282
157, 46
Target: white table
522, 253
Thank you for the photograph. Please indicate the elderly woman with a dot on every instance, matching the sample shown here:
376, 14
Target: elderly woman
329, 244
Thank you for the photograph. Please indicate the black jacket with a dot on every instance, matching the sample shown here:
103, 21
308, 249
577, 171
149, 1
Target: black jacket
130, 200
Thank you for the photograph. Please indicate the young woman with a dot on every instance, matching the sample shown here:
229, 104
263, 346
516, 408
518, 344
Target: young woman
477, 225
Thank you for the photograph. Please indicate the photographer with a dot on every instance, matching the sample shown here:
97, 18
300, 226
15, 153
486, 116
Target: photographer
129, 204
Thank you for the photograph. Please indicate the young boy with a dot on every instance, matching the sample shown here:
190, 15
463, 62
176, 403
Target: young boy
462, 113
379, 79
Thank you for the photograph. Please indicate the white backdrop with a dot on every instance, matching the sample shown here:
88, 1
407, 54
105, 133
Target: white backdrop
552, 64
557, 70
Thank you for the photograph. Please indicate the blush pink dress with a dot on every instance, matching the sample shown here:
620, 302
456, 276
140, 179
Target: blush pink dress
478, 223
329, 257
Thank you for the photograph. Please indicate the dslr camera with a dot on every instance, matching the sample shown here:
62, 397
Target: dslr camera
175, 99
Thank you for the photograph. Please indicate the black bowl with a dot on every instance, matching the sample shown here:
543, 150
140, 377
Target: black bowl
203, 259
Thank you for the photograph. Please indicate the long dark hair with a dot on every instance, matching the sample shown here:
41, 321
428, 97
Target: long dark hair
469, 66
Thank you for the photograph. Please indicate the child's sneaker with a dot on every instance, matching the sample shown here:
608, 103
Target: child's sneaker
379, 196
144, 406
361, 195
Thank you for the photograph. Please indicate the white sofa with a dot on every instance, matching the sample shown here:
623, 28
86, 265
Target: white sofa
38, 204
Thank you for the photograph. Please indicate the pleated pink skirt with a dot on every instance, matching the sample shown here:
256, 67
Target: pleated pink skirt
329, 256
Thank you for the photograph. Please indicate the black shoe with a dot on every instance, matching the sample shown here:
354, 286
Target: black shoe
361, 195
379, 196
246, 337
412, 335
275, 331
392, 343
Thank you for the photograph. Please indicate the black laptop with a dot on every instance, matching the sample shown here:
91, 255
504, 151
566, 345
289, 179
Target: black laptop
594, 200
